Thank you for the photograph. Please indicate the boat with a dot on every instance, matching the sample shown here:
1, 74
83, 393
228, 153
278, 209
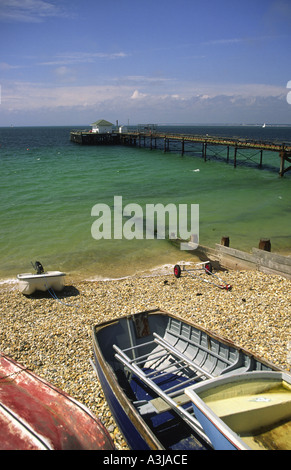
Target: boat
249, 411
146, 360
36, 415
28, 283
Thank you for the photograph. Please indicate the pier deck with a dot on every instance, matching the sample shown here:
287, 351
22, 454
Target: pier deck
154, 140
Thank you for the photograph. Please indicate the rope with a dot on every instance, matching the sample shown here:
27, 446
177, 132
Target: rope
13, 375
39, 268
54, 295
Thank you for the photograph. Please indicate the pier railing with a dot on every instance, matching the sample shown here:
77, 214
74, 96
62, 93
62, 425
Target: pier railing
154, 140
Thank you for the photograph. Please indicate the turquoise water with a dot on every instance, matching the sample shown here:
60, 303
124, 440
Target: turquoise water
49, 185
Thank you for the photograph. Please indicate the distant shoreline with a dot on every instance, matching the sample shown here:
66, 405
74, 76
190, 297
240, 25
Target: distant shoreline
163, 124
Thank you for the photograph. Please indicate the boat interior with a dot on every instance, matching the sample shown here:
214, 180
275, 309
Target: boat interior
256, 408
155, 356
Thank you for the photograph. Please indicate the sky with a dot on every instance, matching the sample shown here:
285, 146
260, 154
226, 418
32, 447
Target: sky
73, 62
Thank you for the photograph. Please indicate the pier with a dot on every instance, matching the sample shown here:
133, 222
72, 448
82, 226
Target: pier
93, 138
226, 149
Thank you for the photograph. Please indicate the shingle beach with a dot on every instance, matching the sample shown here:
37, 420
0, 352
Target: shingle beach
52, 336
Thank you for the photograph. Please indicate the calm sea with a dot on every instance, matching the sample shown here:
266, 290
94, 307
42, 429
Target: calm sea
49, 185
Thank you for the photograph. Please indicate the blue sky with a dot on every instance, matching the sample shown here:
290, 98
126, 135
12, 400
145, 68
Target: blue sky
71, 62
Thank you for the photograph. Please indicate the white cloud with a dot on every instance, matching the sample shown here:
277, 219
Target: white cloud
63, 70
211, 90
224, 41
24, 95
28, 10
83, 57
32, 95
4, 66
189, 103
245, 39
136, 95
147, 79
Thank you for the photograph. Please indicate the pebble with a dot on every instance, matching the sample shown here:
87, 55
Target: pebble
52, 337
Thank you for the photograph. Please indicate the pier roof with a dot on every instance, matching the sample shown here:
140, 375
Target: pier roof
102, 122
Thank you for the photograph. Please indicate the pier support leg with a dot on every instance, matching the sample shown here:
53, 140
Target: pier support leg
204, 150
166, 144
265, 244
234, 160
182, 152
261, 159
281, 172
285, 157
224, 241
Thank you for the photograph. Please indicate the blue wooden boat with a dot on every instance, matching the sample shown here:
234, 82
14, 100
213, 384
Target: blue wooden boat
145, 361
249, 411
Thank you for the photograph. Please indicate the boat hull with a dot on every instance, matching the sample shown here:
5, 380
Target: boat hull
125, 418
249, 411
145, 421
35, 415
29, 283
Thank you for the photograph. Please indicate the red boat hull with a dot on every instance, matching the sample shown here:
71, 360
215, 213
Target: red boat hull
36, 415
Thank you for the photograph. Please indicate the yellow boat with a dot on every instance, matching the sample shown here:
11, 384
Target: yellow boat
245, 411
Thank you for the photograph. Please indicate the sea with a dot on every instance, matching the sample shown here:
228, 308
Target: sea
50, 185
